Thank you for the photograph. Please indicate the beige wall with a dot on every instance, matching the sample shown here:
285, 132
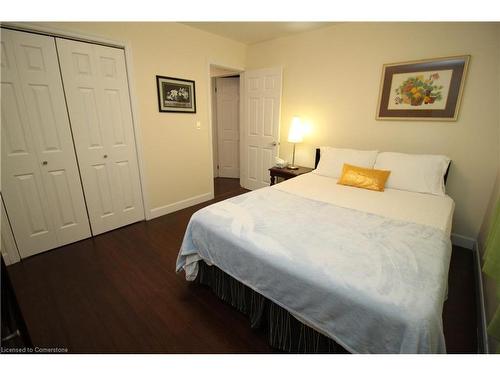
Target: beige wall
332, 78
177, 158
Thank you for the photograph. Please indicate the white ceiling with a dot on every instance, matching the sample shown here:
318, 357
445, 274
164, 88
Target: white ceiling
255, 32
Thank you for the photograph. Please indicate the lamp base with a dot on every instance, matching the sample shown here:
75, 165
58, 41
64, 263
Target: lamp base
292, 166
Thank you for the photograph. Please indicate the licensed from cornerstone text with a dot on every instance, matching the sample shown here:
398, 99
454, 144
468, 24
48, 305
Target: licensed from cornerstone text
35, 349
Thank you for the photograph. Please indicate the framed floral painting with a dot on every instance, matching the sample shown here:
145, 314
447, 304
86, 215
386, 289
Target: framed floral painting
176, 95
422, 90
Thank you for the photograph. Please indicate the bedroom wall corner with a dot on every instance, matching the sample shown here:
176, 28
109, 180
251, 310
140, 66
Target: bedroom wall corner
491, 300
176, 155
332, 79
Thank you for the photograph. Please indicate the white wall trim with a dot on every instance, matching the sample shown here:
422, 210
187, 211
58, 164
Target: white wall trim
243, 159
463, 241
62, 33
472, 244
169, 208
482, 324
215, 133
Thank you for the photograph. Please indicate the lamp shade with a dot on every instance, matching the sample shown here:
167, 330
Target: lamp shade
295, 134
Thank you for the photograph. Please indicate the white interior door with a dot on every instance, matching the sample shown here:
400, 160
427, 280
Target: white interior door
97, 94
261, 108
228, 126
40, 180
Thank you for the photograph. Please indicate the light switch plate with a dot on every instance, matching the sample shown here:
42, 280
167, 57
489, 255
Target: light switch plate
198, 125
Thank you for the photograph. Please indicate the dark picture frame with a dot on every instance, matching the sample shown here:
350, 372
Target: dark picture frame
176, 95
425, 90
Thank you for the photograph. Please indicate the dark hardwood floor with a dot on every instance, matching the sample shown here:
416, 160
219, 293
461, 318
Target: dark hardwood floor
119, 293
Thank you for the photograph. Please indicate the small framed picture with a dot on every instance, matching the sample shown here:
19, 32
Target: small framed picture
176, 95
422, 90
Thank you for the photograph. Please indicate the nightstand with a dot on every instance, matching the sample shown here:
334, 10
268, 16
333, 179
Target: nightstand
286, 173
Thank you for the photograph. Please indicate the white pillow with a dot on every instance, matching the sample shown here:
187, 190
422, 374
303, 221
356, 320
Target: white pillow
333, 159
419, 173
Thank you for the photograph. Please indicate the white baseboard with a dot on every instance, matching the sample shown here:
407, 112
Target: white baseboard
471, 244
463, 241
169, 208
481, 321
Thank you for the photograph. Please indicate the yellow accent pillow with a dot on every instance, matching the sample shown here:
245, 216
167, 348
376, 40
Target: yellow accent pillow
365, 178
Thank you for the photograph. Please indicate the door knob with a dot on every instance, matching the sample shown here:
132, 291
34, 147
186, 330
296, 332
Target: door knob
105, 156
274, 143
44, 162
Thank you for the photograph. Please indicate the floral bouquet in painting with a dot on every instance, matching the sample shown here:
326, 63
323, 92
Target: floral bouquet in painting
180, 94
417, 90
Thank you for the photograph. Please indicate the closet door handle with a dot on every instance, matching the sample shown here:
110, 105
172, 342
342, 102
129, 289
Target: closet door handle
44, 162
105, 156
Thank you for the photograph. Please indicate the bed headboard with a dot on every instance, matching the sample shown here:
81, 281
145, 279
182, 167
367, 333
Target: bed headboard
318, 156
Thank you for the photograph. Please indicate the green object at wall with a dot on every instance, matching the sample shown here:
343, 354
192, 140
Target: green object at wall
491, 267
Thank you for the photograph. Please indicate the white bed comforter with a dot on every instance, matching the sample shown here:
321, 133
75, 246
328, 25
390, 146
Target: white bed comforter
373, 284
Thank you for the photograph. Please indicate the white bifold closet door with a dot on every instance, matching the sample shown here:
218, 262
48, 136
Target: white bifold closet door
97, 95
40, 181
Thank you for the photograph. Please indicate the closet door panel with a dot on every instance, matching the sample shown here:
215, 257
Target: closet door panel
118, 115
96, 87
85, 102
22, 187
100, 179
38, 69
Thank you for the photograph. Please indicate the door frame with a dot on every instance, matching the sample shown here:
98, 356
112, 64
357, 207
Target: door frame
217, 116
82, 37
210, 90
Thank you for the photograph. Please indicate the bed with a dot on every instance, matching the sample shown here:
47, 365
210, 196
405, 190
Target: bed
367, 270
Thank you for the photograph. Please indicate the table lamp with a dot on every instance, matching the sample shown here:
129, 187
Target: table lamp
295, 135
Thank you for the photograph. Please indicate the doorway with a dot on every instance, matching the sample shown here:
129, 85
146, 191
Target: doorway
245, 139
225, 106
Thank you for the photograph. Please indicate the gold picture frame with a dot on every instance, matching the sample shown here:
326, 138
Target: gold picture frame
423, 90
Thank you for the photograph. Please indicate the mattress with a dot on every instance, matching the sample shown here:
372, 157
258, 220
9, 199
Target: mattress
373, 282
427, 209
